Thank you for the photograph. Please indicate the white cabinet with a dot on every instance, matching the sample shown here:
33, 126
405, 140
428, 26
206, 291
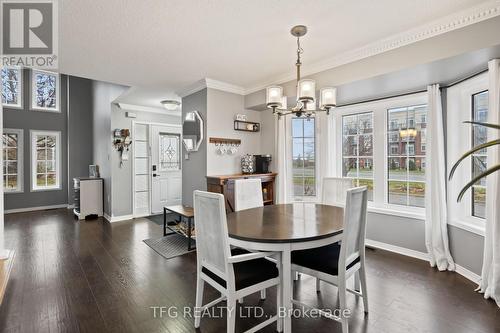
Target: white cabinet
88, 197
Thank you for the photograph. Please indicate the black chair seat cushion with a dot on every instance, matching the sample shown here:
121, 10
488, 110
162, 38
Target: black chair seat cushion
324, 259
247, 273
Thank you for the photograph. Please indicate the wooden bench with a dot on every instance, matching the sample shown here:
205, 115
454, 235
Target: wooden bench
185, 212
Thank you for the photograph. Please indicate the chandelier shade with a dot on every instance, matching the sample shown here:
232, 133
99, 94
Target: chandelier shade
274, 96
306, 103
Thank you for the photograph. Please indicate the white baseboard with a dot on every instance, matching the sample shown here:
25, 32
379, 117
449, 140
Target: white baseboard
467, 274
33, 209
113, 219
397, 249
422, 256
71, 206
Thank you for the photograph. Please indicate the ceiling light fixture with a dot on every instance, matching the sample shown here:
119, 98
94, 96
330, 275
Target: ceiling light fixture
306, 90
170, 104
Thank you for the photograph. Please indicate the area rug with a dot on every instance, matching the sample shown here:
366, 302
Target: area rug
170, 246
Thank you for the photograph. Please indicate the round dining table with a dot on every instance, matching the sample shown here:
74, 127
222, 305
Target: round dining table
285, 228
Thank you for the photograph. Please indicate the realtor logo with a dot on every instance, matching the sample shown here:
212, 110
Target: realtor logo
29, 33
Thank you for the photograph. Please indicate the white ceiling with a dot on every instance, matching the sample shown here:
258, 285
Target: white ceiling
166, 45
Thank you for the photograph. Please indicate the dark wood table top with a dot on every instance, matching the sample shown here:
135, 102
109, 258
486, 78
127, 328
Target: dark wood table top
297, 222
184, 211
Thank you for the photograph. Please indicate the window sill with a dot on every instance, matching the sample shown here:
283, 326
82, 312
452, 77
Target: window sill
417, 214
12, 192
46, 110
468, 226
12, 107
46, 189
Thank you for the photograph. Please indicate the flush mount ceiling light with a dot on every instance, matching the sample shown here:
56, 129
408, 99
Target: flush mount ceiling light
306, 90
170, 104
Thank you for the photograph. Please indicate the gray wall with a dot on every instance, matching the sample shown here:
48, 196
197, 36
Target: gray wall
194, 169
103, 96
466, 248
222, 107
80, 130
27, 120
395, 230
121, 183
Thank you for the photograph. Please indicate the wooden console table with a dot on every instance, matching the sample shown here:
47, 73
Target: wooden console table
225, 185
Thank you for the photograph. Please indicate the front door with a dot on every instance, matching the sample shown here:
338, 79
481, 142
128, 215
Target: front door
166, 176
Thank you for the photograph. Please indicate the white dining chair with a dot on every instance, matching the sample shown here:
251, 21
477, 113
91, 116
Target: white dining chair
336, 263
334, 190
233, 274
247, 194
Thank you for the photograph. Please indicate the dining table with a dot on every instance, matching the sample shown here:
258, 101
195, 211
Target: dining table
284, 228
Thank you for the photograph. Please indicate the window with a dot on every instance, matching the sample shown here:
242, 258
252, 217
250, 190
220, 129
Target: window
12, 87
479, 136
406, 164
169, 152
45, 91
357, 149
12, 160
46, 160
304, 156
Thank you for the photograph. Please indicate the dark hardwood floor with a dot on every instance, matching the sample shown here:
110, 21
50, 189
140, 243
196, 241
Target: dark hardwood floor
92, 276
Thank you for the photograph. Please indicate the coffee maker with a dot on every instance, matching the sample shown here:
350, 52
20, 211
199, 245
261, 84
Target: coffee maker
262, 163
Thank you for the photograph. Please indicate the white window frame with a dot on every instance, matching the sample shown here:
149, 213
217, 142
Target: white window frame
459, 105
33, 91
289, 148
356, 149
20, 161
58, 185
21, 87
379, 108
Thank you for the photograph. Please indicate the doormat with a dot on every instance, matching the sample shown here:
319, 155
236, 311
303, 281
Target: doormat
170, 246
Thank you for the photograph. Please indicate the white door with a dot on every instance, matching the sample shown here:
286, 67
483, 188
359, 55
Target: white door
166, 176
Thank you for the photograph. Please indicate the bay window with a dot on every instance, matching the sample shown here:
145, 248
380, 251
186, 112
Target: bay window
381, 145
478, 160
357, 149
406, 159
304, 157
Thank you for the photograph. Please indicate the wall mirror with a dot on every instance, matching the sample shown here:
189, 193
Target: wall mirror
192, 131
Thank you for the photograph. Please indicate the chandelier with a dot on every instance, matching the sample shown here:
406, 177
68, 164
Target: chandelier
306, 90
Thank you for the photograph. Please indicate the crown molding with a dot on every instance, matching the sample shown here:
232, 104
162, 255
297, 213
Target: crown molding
213, 84
141, 108
438, 27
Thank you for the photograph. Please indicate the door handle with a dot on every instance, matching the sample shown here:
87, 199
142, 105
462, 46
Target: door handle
154, 174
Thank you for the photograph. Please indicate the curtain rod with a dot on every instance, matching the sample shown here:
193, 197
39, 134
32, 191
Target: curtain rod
416, 91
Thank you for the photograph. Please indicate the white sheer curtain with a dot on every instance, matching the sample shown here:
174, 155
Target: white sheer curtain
490, 276
282, 163
436, 227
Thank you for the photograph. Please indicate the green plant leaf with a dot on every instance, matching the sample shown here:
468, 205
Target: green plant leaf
470, 152
475, 179
495, 126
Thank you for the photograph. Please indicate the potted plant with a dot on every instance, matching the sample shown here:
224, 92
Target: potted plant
492, 169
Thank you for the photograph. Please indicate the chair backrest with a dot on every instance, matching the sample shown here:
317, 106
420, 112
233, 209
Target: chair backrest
335, 190
212, 240
354, 234
247, 194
